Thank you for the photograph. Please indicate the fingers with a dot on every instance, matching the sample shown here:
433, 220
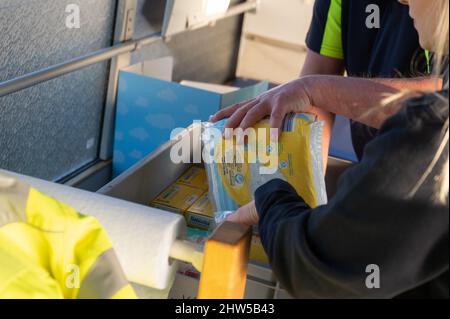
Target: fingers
235, 218
247, 114
253, 116
228, 111
246, 215
240, 218
236, 118
277, 116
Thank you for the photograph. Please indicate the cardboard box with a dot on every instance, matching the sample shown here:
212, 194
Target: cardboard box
177, 198
201, 213
195, 176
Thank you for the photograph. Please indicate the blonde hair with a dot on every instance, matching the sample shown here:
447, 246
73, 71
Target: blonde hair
440, 68
441, 34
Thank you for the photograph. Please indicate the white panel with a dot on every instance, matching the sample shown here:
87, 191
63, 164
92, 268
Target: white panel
161, 68
273, 42
261, 61
217, 88
180, 14
283, 20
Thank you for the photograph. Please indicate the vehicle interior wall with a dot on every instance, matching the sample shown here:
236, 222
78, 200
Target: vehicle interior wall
52, 130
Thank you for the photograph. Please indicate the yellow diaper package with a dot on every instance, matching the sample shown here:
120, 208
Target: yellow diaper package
177, 198
297, 159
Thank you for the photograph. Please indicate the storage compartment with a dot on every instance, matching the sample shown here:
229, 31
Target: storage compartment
148, 178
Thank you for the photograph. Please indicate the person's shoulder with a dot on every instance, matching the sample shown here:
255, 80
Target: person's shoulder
424, 112
430, 108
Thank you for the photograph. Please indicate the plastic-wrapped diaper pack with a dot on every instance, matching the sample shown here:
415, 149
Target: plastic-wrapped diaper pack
299, 162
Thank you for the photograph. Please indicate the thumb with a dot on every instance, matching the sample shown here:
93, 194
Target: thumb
246, 215
235, 218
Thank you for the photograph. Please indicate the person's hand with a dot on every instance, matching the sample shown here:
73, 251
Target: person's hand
292, 97
246, 215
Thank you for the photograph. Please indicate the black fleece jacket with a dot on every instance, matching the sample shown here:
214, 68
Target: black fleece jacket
323, 252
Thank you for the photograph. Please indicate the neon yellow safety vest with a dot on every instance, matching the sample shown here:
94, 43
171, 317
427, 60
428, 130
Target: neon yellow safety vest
48, 250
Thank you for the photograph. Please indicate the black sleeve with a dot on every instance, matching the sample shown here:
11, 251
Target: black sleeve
317, 27
324, 252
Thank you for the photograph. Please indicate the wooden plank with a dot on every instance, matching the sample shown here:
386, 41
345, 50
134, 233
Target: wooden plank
225, 262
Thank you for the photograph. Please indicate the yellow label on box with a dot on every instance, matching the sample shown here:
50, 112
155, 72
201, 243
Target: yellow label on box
257, 252
203, 206
201, 213
177, 198
195, 176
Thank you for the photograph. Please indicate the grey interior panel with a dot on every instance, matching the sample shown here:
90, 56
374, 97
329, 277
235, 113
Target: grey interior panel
52, 129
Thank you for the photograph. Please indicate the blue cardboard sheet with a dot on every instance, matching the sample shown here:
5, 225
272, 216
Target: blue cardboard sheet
341, 141
148, 109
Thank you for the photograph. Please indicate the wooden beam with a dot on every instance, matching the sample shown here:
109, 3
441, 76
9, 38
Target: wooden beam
225, 262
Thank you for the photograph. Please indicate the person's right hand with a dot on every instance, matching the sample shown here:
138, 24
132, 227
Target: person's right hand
292, 97
246, 215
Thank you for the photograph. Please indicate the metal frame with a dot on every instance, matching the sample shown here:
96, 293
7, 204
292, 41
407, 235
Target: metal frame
49, 73
91, 178
247, 6
193, 21
124, 31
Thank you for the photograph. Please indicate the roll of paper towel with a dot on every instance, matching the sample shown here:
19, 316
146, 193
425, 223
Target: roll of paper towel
142, 236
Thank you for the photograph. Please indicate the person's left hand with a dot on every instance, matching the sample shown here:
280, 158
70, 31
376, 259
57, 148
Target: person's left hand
246, 215
291, 97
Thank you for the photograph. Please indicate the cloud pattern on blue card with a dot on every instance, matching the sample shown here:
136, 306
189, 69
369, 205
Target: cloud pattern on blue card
149, 109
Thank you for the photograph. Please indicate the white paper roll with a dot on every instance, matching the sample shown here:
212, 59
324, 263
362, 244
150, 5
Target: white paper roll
142, 236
